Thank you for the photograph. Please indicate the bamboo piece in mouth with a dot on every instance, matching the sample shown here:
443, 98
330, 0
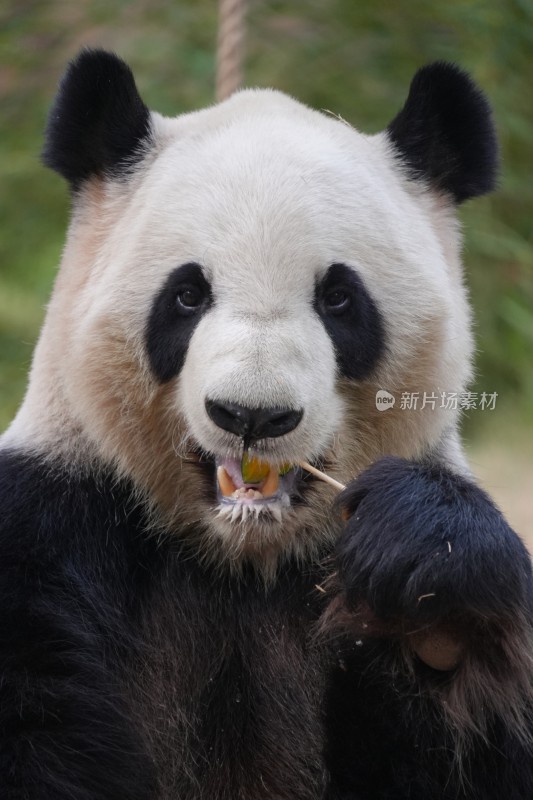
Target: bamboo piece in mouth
322, 475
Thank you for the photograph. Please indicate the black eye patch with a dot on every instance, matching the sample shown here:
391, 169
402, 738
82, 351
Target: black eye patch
352, 321
176, 311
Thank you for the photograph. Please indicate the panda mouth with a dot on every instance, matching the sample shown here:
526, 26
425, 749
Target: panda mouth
251, 488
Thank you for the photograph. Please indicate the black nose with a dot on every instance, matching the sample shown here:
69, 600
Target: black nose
253, 423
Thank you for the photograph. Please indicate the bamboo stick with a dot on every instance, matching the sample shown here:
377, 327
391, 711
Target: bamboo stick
322, 475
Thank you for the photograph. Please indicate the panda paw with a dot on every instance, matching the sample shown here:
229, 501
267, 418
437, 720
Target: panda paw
424, 544
428, 568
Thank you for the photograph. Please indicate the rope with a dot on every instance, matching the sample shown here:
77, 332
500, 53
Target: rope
230, 46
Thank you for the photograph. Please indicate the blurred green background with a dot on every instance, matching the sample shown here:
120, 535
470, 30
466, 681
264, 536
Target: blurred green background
355, 58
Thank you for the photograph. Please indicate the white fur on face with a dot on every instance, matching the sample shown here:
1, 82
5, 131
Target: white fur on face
265, 195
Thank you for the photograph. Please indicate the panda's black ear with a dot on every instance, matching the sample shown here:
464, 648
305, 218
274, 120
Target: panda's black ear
445, 133
98, 124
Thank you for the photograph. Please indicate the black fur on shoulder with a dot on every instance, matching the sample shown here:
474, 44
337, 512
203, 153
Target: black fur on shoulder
64, 727
425, 550
98, 124
445, 133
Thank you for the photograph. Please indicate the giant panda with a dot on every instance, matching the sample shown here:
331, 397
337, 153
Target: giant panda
188, 613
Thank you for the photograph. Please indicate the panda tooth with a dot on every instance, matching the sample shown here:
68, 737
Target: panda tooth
227, 487
271, 484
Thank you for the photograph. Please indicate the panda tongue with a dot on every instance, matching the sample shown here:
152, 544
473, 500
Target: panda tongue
232, 474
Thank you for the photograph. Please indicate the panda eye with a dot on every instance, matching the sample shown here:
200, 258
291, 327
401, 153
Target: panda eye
189, 299
337, 301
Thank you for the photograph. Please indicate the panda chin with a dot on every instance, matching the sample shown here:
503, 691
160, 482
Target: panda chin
265, 500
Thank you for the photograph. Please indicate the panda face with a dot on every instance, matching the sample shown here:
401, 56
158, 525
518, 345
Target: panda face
248, 274
231, 298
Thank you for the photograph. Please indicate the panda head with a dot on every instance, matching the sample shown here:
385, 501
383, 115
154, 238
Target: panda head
243, 280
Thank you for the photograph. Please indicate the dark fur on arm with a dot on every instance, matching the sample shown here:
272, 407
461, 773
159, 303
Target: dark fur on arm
64, 730
425, 550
